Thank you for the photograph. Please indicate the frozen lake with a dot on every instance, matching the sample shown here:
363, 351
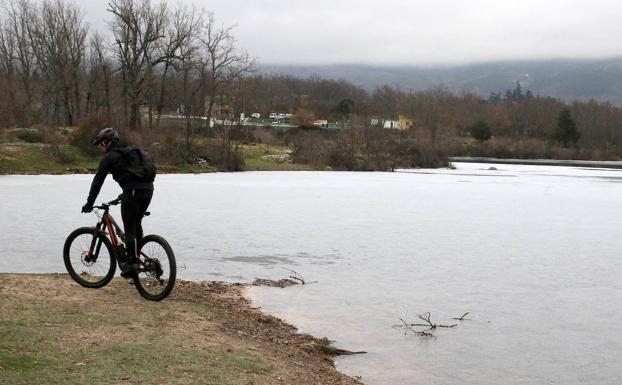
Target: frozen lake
532, 252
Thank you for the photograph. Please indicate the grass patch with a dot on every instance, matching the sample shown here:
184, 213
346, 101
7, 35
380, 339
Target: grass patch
112, 341
38, 158
204, 311
326, 348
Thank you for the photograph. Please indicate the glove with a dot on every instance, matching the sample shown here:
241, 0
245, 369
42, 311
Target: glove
87, 208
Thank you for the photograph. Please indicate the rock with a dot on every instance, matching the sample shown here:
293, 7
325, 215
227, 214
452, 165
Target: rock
279, 158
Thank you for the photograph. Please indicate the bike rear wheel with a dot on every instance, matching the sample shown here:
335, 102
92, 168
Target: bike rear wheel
158, 269
89, 257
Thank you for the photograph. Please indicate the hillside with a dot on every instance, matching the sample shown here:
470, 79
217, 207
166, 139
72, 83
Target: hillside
561, 78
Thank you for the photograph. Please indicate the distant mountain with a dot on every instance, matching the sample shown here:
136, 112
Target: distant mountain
565, 79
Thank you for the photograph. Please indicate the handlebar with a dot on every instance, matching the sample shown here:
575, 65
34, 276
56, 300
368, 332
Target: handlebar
106, 206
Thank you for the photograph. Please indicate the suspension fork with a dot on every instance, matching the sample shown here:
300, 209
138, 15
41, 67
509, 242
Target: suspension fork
96, 244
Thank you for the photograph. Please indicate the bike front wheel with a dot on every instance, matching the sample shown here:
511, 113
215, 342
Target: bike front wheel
89, 258
158, 269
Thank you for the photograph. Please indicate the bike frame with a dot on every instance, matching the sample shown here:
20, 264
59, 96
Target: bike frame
109, 227
115, 233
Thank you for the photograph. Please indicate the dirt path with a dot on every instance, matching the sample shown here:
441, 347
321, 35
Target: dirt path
54, 331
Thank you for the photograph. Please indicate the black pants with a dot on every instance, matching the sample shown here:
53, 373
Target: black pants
134, 203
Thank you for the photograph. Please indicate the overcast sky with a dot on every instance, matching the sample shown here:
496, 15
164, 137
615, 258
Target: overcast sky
413, 32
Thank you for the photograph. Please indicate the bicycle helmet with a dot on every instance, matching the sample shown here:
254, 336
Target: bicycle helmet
107, 133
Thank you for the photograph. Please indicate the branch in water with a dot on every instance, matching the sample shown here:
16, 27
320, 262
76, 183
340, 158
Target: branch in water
462, 318
295, 275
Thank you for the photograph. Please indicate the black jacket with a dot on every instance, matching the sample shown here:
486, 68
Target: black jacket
114, 162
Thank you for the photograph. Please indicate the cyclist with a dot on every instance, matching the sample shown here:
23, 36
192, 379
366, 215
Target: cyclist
135, 198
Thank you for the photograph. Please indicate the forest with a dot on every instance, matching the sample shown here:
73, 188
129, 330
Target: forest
174, 76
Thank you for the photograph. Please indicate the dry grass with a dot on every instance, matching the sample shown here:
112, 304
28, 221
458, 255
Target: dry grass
54, 331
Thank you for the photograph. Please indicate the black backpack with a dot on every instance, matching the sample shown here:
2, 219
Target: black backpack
140, 165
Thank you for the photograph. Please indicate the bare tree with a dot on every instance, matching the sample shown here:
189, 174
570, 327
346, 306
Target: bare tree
179, 47
138, 29
98, 72
19, 18
58, 36
7, 66
223, 62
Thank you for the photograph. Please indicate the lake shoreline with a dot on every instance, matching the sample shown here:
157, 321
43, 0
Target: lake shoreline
165, 170
202, 319
42, 159
613, 164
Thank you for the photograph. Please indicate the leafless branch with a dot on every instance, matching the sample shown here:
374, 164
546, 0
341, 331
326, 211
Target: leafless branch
428, 324
407, 328
295, 275
462, 317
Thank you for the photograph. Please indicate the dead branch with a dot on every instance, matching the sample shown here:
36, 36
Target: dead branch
408, 328
426, 317
462, 317
294, 279
272, 283
296, 276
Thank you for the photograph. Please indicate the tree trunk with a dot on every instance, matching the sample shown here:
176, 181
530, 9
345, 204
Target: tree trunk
134, 121
161, 99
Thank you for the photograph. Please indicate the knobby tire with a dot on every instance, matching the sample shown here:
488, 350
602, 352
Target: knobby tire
73, 256
146, 284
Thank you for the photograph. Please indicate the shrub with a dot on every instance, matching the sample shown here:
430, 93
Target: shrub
218, 153
303, 118
310, 147
530, 149
223, 152
265, 135
82, 137
563, 153
29, 135
59, 154
604, 154
50, 135
88, 127
481, 131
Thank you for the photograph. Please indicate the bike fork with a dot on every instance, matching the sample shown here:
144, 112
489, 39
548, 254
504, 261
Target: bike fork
96, 244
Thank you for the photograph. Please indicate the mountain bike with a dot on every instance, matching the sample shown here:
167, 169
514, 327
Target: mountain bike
91, 255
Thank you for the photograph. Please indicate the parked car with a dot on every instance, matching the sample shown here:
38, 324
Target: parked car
256, 115
272, 115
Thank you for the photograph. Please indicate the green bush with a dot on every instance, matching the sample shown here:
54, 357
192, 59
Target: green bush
481, 131
567, 132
